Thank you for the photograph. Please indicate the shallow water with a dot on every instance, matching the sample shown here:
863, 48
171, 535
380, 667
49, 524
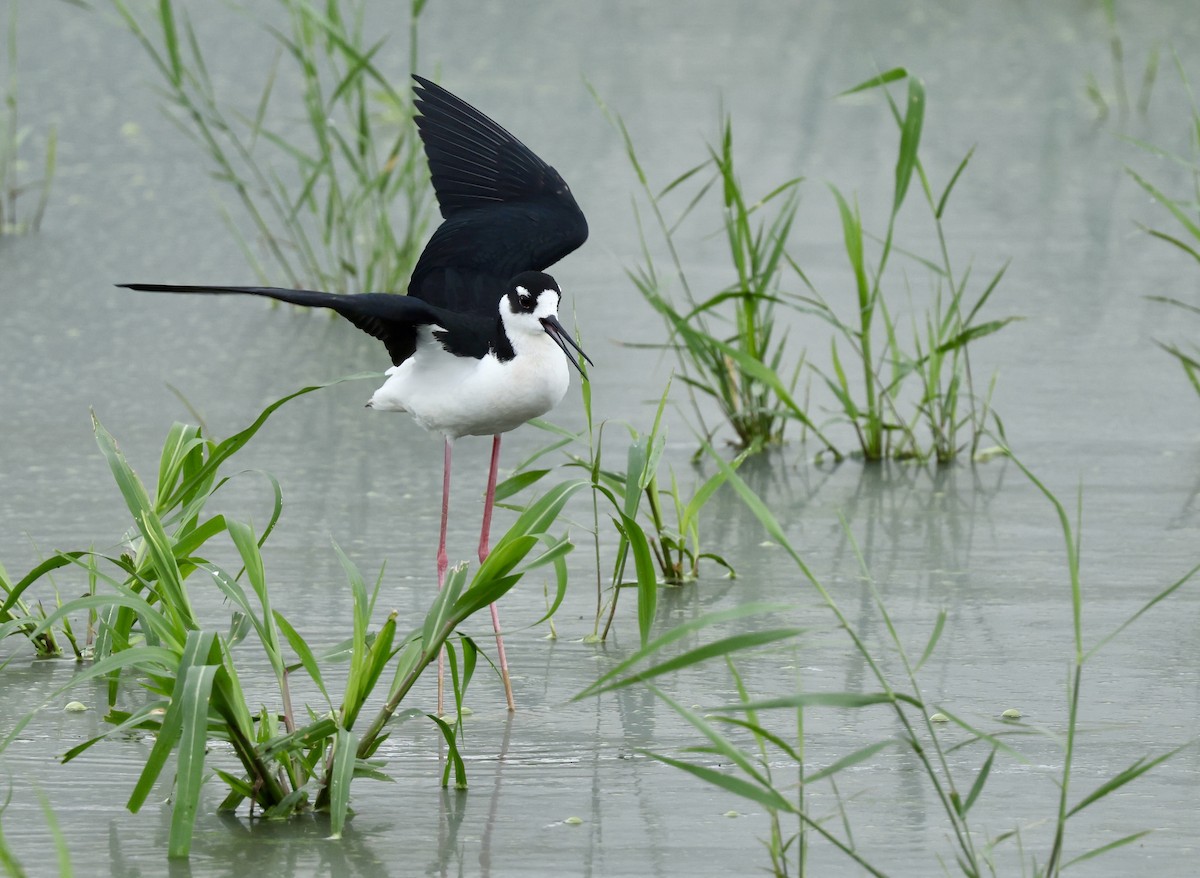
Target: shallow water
1086, 397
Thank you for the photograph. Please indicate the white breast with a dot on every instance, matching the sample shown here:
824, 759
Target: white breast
462, 396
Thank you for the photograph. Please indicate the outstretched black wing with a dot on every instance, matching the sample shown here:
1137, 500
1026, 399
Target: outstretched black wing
392, 319
505, 210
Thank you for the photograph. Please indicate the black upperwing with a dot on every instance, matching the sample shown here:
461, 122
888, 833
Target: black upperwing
392, 319
505, 210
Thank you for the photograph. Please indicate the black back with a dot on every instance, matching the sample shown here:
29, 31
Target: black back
505, 210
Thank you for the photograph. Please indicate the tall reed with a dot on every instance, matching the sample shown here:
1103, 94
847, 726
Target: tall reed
945, 414
727, 344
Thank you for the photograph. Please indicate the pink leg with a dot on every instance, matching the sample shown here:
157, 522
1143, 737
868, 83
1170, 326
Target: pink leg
443, 561
489, 501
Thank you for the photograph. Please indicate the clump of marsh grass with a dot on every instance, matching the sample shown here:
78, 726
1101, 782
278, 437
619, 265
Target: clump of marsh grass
284, 760
14, 138
1186, 213
727, 343
902, 399
945, 414
762, 743
350, 213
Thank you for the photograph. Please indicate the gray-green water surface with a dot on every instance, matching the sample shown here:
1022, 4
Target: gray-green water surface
1086, 397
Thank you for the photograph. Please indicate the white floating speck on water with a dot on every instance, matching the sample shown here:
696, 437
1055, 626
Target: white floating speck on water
939, 718
1011, 713
732, 814
573, 821
75, 707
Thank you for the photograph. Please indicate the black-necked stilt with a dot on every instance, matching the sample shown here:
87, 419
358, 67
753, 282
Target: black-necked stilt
475, 343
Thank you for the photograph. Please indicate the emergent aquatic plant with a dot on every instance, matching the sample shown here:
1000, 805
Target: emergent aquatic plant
726, 342
285, 760
946, 402
765, 759
665, 550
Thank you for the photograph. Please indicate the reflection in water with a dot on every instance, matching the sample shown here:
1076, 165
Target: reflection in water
1080, 384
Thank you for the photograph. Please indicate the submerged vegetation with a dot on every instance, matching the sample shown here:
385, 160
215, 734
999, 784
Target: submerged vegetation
351, 212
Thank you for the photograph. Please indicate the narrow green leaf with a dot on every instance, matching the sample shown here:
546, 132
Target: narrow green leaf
910, 139
344, 748
858, 756
889, 76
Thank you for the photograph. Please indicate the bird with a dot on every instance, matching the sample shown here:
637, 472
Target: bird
476, 345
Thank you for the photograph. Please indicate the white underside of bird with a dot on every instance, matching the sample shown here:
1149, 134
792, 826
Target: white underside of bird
464, 396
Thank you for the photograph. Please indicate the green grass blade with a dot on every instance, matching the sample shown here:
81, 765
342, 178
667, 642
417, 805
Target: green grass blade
766, 796
725, 646
858, 756
910, 140
932, 643
980, 780
647, 579
189, 771
1103, 849
677, 633
889, 76
344, 750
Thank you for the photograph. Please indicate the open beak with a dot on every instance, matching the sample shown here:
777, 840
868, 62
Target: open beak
555, 330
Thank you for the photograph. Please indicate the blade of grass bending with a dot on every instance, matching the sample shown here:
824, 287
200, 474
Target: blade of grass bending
888, 76
910, 139
977, 786
723, 647
677, 633
760, 733
158, 544
344, 748
228, 447
1162, 595
248, 547
1134, 771
1103, 849
1171, 239
970, 334
760, 794
455, 761
304, 653
720, 744
932, 643
962, 166
1167, 202
519, 482
821, 699
50, 564
860, 755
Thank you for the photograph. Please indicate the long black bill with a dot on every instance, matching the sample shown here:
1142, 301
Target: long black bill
555, 330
